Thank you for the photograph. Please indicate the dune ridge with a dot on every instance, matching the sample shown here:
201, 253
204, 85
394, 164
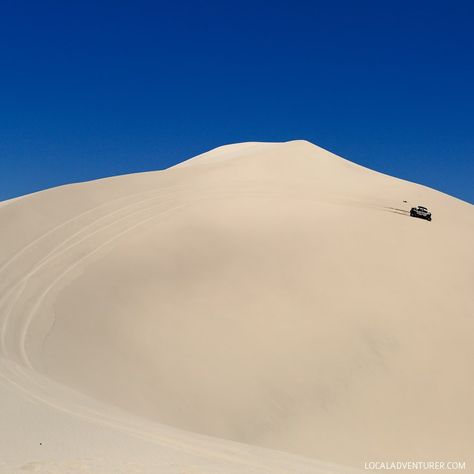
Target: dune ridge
257, 300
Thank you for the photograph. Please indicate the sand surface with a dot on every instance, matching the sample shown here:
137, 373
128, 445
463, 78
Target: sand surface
261, 308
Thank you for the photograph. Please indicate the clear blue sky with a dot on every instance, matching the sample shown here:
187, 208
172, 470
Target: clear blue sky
97, 88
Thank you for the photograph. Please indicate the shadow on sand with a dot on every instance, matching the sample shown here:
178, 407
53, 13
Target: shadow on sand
396, 210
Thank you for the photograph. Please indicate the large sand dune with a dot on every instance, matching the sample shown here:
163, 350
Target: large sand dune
258, 298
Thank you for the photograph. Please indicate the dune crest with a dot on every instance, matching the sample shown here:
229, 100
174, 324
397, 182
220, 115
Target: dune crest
258, 298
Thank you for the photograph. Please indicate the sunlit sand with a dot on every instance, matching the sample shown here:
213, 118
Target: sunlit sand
261, 308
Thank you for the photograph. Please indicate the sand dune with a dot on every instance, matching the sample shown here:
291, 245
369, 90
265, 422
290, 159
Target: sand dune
263, 307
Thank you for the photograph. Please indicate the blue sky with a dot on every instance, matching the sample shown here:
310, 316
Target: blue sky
93, 89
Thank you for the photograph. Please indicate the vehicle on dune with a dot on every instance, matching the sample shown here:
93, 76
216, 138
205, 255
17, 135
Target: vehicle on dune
421, 212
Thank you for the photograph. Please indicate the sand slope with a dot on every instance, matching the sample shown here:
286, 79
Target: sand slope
274, 295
